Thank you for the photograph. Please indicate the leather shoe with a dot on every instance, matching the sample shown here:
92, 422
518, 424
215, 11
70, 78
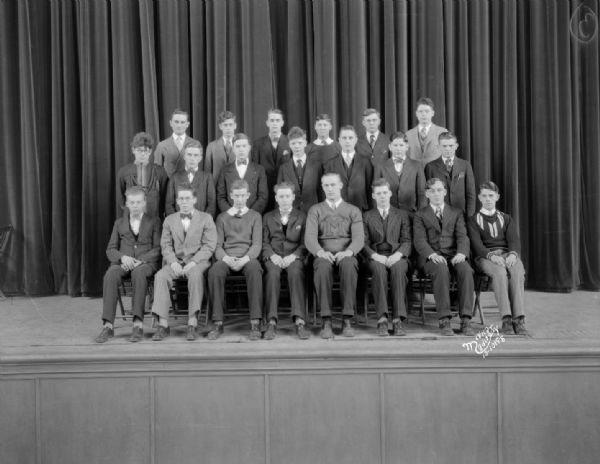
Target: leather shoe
254, 332
399, 331
326, 330
519, 327
271, 331
446, 327
104, 335
382, 328
348, 331
215, 332
191, 333
507, 326
465, 327
161, 333
302, 332
137, 335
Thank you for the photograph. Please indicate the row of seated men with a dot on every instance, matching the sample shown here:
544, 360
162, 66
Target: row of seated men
336, 234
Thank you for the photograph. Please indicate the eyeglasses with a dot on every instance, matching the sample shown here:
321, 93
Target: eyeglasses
142, 149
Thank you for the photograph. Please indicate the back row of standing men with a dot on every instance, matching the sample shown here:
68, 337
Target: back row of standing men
302, 169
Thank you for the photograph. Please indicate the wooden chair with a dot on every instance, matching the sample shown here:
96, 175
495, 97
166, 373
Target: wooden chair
5, 233
483, 283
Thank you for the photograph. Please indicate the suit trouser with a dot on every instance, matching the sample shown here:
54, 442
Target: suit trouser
163, 280
440, 279
295, 278
216, 288
323, 280
110, 292
398, 281
508, 285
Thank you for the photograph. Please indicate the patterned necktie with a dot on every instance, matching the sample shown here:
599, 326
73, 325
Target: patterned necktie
179, 142
448, 163
299, 171
228, 148
191, 174
438, 214
385, 214
274, 142
372, 140
423, 132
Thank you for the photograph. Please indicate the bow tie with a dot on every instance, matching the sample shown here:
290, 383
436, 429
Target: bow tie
398, 160
275, 140
191, 171
185, 216
242, 162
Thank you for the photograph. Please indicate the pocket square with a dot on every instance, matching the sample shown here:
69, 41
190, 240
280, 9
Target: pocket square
299, 226
461, 175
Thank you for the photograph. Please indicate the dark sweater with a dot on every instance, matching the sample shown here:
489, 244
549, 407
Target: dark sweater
491, 233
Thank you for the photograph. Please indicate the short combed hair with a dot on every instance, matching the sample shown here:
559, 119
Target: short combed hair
275, 111
135, 190
323, 117
225, 115
240, 136
425, 101
433, 180
177, 111
185, 188
327, 174
347, 127
194, 144
142, 139
239, 184
370, 111
398, 135
489, 185
296, 133
447, 136
381, 182
283, 185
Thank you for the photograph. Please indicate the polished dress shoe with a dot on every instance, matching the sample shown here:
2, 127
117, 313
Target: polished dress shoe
326, 330
254, 332
161, 333
465, 327
399, 330
446, 327
302, 332
215, 332
271, 331
137, 335
191, 333
104, 335
348, 331
382, 328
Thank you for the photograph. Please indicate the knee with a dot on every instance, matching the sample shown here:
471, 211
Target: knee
112, 276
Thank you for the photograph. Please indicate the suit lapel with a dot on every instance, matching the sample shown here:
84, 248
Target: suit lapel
177, 228
432, 219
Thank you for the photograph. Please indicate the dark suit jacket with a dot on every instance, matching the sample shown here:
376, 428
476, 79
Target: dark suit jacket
323, 153
203, 185
310, 193
145, 247
461, 185
270, 159
397, 232
257, 181
276, 242
408, 189
216, 158
448, 240
156, 190
379, 152
168, 155
357, 185
431, 147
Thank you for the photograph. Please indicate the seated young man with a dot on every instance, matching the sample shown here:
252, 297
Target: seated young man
334, 236
133, 249
440, 238
387, 248
239, 242
188, 241
496, 245
284, 251
202, 182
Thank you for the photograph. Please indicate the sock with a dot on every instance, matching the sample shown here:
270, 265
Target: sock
193, 321
138, 323
254, 321
273, 321
163, 321
108, 324
299, 321
382, 319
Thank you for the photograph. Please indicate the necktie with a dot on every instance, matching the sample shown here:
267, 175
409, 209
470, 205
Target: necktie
191, 174
238, 214
385, 214
348, 160
274, 141
332, 205
448, 163
423, 132
438, 214
179, 142
228, 148
372, 140
185, 216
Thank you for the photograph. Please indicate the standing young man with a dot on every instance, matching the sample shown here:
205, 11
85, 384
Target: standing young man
169, 152
423, 138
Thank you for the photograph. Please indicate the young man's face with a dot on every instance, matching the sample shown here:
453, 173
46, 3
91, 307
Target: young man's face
186, 201
424, 114
347, 140
448, 147
382, 196
332, 186
179, 124
297, 146
488, 199
228, 128
371, 123
241, 149
436, 194
193, 157
141, 154
136, 204
274, 123
398, 148
284, 198
239, 197
323, 128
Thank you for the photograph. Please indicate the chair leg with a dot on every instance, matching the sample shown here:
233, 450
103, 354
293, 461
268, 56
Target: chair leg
121, 290
422, 303
2, 295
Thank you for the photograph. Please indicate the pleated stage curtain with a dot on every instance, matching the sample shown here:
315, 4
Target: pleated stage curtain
517, 81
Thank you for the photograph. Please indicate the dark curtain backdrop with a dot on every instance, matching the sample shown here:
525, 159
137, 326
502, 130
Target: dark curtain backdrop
516, 80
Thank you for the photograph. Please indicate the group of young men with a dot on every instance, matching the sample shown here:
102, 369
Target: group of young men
370, 205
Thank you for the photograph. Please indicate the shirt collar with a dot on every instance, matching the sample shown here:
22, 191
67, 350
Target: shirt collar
320, 142
376, 134
233, 211
486, 212
131, 218
450, 158
426, 127
381, 210
285, 213
302, 158
175, 136
337, 203
434, 207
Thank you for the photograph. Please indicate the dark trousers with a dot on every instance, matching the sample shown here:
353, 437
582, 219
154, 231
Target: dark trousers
295, 279
112, 279
323, 280
216, 288
379, 283
440, 279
